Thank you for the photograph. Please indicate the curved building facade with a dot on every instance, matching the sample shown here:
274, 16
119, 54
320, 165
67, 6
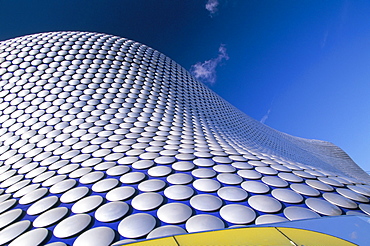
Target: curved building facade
104, 140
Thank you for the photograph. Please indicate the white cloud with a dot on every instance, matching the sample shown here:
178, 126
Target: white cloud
211, 6
323, 42
206, 71
265, 117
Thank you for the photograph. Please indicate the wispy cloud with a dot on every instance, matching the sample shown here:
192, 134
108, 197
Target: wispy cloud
325, 38
354, 235
211, 6
265, 117
323, 42
206, 71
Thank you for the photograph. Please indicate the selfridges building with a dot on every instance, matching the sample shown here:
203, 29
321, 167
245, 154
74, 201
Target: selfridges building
105, 141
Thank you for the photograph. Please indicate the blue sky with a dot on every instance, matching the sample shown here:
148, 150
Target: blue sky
301, 67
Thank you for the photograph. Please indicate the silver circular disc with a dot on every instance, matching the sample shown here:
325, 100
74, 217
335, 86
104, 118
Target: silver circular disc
185, 156
4, 197
304, 189
274, 181
266, 170
25, 190
131, 178
304, 174
143, 164
269, 219
222, 159
50, 217
127, 160
204, 222
74, 194
290, 177
87, 204
165, 231
152, 185
233, 194
178, 192
62, 186
365, 208
179, 179
165, 160
33, 196
237, 214
330, 181
120, 193
9, 216
323, 207
203, 173
339, 200
98, 236
352, 195
222, 168
206, 185
91, 177
299, 213
357, 213
264, 203
359, 190
257, 163
280, 168
205, 202
78, 173
241, 165
341, 180
204, 162
72, 225
42, 205
34, 237
183, 166
17, 186
13, 180
229, 178
235, 156
319, 185
174, 213
249, 174
68, 168
14, 230
255, 187
53, 180
105, 185
136, 225
147, 201
287, 195
111, 211
118, 170
159, 171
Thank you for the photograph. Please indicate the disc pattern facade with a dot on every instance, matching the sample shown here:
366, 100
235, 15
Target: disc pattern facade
103, 135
